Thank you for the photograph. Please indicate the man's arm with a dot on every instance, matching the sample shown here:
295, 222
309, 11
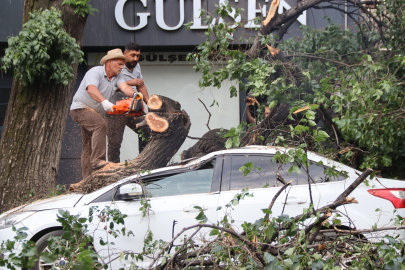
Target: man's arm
136, 82
144, 92
97, 96
130, 92
126, 89
95, 93
249, 117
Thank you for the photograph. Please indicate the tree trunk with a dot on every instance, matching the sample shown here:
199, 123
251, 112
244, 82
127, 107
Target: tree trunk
157, 153
35, 121
210, 142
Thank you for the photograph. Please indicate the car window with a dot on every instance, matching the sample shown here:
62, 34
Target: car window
267, 177
191, 182
255, 179
317, 173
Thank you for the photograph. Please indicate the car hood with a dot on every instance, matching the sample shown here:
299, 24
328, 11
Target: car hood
62, 201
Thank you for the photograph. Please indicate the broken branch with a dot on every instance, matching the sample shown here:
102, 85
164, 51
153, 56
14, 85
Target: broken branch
272, 11
209, 117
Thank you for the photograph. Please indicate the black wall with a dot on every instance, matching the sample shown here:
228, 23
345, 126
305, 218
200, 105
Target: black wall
103, 30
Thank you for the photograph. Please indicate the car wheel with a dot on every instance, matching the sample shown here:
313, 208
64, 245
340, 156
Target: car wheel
42, 245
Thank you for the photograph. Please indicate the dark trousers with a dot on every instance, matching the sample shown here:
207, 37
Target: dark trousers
94, 130
115, 133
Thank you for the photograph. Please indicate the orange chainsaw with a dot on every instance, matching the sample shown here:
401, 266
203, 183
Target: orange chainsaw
129, 107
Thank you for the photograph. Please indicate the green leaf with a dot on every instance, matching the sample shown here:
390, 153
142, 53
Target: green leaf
267, 211
30, 249
268, 257
48, 258
236, 141
234, 92
228, 143
269, 231
82, 220
323, 133
316, 265
289, 251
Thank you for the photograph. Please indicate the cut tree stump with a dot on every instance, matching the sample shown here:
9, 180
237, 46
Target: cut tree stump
162, 146
162, 104
156, 123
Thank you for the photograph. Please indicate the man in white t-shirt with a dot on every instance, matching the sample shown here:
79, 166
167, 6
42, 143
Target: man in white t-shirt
132, 75
90, 104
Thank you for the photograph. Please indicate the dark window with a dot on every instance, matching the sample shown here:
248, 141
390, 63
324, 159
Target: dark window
268, 174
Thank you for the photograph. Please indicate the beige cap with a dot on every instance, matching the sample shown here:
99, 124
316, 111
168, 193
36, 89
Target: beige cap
113, 54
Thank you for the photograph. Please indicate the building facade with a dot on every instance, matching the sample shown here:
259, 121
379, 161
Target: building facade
158, 26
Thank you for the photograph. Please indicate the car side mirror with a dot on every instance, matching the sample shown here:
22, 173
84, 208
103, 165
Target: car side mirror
129, 192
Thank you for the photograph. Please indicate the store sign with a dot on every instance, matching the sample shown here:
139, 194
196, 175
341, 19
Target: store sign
154, 59
252, 12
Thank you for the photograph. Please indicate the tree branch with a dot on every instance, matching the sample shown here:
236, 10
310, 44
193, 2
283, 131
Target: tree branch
283, 30
277, 194
209, 117
342, 199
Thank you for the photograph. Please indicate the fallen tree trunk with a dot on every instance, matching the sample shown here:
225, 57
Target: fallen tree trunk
211, 141
163, 145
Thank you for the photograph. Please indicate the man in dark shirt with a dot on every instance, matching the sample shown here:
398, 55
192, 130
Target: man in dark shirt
132, 75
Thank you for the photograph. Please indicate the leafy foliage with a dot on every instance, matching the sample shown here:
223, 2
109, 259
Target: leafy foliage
364, 91
81, 7
359, 85
271, 242
43, 51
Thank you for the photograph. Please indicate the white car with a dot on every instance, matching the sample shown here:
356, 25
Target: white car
209, 182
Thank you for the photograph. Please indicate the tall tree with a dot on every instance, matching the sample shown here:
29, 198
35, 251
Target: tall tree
45, 75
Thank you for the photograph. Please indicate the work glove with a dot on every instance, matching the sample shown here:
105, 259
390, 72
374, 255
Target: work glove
108, 106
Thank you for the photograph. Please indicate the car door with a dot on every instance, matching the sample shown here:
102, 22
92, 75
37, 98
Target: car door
172, 200
264, 185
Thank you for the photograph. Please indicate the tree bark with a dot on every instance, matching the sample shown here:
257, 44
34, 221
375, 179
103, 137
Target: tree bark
210, 142
35, 121
157, 153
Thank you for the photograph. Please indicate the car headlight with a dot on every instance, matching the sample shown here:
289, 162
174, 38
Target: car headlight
12, 219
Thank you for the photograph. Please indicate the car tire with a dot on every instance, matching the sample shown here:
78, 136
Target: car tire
42, 244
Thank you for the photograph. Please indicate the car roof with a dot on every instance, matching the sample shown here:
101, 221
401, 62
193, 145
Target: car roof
251, 149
